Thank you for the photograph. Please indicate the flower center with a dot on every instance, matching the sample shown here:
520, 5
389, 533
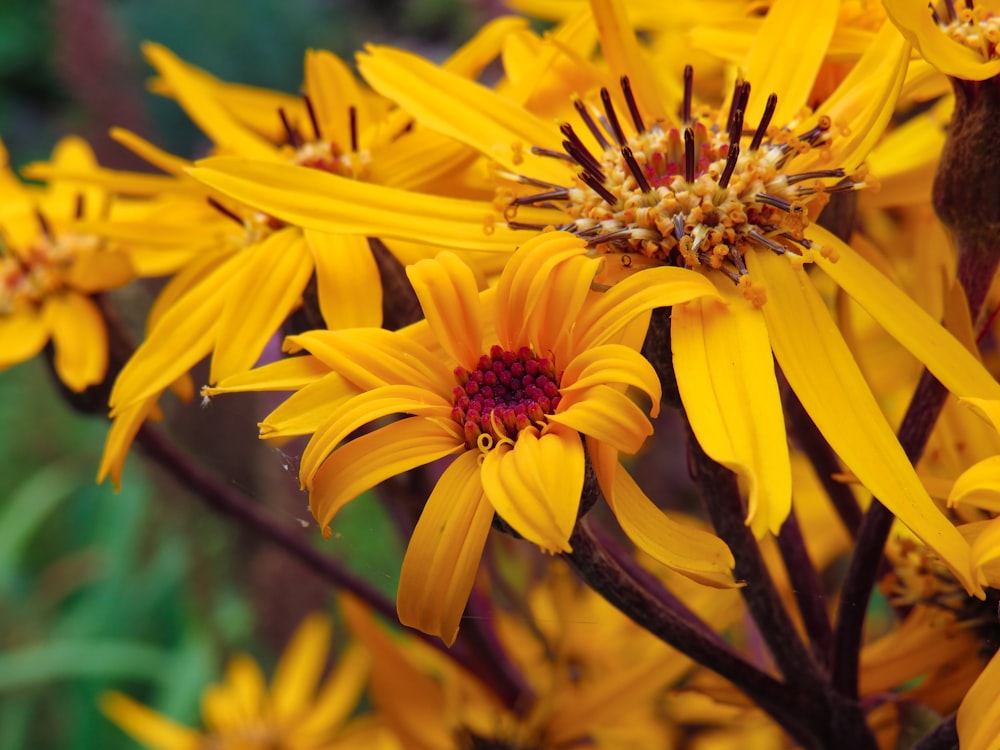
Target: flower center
27, 278
975, 28
697, 196
321, 153
507, 392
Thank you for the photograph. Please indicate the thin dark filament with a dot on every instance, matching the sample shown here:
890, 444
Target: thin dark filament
767, 242
539, 151
312, 117
527, 200
43, 222
737, 260
741, 93
689, 154
688, 88
293, 137
581, 109
78, 209
736, 128
599, 188
635, 169
533, 227
804, 242
619, 234
633, 107
765, 122
987, 324
352, 113
934, 14
225, 211
678, 227
525, 180
609, 109
773, 200
952, 13
731, 158
582, 155
817, 174
812, 135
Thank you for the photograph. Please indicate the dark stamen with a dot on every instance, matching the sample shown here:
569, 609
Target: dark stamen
528, 200
633, 107
635, 169
688, 88
609, 108
78, 209
731, 158
44, 223
539, 151
767, 242
617, 235
689, 154
765, 122
534, 227
293, 137
817, 174
584, 160
678, 227
741, 93
773, 200
525, 180
312, 117
804, 242
225, 211
986, 326
736, 130
952, 13
581, 109
599, 188
352, 113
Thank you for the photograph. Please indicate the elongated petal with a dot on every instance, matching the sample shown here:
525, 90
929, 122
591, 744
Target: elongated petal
446, 288
156, 156
443, 555
606, 414
365, 461
347, 280
947, 359
313, 199
646, 290
612, 364
372, 357
725, 375
99, 271
978, 719
266, 289
820, 369
978, 486
332, 91
147, 726
301, 665
464, 110
788, 70
124, 428
535, 486
340, 692
80, 339
289, 374
308, 409
22, 336
697, 554
189, 86
363, 409
986, 550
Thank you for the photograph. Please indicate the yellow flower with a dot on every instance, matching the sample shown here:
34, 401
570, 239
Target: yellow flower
957, 38
50, 268
978, 719
729, 193
509, 381
295, 712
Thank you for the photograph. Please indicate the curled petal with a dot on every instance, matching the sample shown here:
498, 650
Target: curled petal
607, 415
80, 339
446, 288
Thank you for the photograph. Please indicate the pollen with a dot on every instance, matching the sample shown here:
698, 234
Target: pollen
506, 392
316, 151
975, 28
700, 194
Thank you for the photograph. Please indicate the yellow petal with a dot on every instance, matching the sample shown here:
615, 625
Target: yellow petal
986, 550
464, 110
309, 408
289, 374
22, 336
473, 56
363, 409
945, 54
188, 84
822, 372
80, 339
442, 558
978, 718
332, 90
123, 430
347, 280
313, 199
612, 364
725, 375
300, 667
157, 157
694, 553
340, 692
446, 288
372, 357
99, 271
788, 70
605, 414
266, 288
365, 461
978, 486
147, 726
535, 486
947, 359
646, 290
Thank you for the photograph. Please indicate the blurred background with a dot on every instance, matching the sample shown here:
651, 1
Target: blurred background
146, 591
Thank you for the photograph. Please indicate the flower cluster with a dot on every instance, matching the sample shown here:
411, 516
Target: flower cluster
517, 311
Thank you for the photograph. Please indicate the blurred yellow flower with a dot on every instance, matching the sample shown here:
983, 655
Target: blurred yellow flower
296, 712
